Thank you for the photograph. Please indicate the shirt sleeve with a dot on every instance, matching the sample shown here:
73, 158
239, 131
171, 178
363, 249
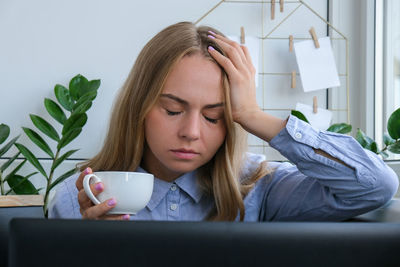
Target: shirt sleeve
318, 188
65, 202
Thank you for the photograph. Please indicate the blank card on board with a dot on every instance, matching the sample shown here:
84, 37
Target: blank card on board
317, 66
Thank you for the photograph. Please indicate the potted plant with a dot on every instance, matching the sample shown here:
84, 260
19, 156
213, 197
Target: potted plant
69, 111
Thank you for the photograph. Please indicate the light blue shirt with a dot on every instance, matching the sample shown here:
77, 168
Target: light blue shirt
315, 188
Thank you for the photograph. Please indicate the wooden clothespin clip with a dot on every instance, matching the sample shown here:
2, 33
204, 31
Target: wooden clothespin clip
315, 105
293, 79
282, 4
314, 36
272, 9
290, 43
242, 36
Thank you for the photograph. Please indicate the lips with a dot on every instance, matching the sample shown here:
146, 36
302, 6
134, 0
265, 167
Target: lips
184, 153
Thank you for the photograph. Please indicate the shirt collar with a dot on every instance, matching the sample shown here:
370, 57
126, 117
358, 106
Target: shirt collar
187, 182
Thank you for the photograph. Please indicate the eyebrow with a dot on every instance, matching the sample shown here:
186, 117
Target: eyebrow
184, 102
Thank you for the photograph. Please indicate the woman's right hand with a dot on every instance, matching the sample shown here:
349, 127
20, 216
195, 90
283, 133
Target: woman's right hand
90, 210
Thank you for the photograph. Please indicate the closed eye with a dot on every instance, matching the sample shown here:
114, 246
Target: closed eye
172, 113
214, 121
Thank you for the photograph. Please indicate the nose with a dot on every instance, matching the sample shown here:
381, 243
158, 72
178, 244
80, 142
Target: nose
190, 127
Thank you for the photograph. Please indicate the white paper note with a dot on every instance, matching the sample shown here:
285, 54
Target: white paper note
253, 44
316, 65
320, 120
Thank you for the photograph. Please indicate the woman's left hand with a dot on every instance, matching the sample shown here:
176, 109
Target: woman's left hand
240, 70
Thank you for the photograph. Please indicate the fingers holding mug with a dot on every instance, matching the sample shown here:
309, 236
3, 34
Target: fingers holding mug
91, 211
83, 199
100, 211
79, 181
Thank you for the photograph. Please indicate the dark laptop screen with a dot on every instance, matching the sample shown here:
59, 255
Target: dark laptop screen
121, 243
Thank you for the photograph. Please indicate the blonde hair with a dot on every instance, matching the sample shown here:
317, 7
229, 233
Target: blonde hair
125, 141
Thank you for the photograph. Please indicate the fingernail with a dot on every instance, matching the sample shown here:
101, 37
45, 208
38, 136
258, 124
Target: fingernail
111, 202
211, 48
212, 32
210, 36
99, 186
87, 170
126, 217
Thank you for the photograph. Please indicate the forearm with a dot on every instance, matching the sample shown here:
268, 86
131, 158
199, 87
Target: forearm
318, 187
302, 145
261, 124
267, 127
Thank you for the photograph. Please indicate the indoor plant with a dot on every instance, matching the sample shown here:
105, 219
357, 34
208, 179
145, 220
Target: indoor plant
75, 101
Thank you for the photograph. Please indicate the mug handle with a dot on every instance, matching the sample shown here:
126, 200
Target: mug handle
86, 186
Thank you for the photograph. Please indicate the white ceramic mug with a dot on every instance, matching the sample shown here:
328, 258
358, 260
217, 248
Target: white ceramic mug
131, 190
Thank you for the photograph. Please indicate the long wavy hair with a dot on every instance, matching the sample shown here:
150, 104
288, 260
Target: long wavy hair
123, 148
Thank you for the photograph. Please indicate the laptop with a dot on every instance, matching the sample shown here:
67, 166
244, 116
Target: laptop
42, 242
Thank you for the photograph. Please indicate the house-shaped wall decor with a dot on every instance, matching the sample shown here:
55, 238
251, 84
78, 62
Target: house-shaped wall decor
288, 15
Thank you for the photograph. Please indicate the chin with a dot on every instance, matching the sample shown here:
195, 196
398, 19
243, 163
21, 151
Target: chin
183, 167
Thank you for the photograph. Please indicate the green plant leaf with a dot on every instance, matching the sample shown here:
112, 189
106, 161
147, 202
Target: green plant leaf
78, 86
62, 158
393, 124
66, 139
55, 111
89, 96
342, 128
9, 162
13, 172
388, 140
45, 127
21, 185
38, 140
366, 142
361, 138
5, 148
395, 148
73, 122
31, 158
63, 97
374, 147
384, 154
83, 108
62, 178
299, 115
4, 132
93, 86
84, 103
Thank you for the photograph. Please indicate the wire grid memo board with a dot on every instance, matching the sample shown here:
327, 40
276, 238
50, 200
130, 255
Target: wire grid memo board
277, 64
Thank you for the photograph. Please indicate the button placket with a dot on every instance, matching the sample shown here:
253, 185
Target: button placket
173, 198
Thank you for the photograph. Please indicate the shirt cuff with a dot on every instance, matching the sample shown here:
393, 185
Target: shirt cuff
290, 139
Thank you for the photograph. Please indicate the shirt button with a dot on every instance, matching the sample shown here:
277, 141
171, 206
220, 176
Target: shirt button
173, 206
173, 187
298, 135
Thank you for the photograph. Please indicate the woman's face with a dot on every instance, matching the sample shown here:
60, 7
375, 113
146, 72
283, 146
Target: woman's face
186, 126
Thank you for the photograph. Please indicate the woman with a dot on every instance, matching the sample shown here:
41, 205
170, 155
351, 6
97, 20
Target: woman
181, 116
